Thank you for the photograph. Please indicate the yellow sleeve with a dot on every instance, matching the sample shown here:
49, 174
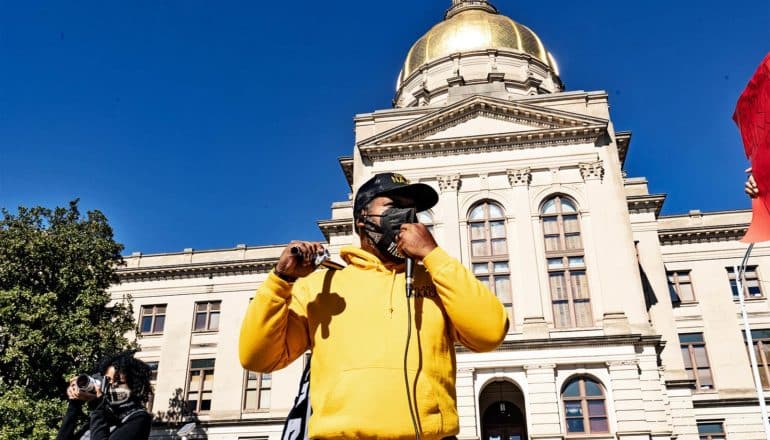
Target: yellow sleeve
274, 331
479, 319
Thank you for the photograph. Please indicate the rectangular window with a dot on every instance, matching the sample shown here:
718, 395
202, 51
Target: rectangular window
153, 380
761, 343
257, 391
696, 361
207, 316
200, 384
751, 287
680, 286
152, 318
711, 431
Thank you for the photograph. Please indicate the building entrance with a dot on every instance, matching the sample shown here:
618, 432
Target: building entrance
502, 417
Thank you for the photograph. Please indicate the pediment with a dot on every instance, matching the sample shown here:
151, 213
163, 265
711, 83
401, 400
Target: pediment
480, 124
481, 121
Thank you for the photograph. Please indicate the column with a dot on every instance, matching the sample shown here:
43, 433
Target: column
628, 400
542, 400
448, 207
466, 402
610, 294
528, 302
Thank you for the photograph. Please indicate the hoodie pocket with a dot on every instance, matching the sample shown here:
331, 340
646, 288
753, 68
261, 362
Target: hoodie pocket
372, 403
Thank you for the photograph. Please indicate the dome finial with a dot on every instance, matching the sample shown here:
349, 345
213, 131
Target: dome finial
462, 5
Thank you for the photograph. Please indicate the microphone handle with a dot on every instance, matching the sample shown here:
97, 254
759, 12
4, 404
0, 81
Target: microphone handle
409, 276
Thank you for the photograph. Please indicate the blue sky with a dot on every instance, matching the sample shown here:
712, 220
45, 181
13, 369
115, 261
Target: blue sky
207, 124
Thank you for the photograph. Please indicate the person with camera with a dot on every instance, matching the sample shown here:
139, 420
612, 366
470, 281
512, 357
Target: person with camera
383, 360
116, 396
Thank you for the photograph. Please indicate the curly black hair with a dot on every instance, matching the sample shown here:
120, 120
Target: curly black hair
137, 373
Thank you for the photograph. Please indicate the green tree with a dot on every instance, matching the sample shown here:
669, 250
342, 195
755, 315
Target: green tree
56, 315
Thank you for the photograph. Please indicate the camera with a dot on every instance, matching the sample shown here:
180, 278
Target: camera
89, 384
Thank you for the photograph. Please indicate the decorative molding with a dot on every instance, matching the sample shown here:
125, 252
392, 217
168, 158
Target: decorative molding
592, 170
455, 81
575, 342
702, 234
539, 367
480, 144
623, 141
646, 203
449, 183
520, 177
623, 363
535, 116
346, 163
725, 402
336, 228
201, 270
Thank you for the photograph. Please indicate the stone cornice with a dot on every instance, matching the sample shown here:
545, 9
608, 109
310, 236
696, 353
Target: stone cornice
528, 59
484, 143
646, 203
702, 234
721, 403
623, 140
199, 270
537, 117
346, 163
244, 421
333, 228
549, 127
581, 341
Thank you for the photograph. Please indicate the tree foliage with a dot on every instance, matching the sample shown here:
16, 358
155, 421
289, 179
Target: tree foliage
56, 315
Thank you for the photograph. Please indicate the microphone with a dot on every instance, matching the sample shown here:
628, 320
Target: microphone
409, 276
321, 259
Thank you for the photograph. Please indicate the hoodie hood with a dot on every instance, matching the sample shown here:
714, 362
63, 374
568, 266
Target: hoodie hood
362, 259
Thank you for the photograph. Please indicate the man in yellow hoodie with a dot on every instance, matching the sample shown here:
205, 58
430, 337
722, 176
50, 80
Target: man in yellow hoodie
383, 364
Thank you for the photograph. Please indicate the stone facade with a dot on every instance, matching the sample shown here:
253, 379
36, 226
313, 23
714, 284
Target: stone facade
519, 153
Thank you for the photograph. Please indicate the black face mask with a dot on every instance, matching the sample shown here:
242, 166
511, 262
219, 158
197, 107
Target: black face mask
384, 235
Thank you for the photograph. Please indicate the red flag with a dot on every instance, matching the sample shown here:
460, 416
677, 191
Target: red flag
752, 114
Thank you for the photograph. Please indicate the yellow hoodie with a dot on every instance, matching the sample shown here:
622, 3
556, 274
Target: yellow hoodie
355, 323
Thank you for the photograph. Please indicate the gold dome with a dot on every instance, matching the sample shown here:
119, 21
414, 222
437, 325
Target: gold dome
474, 28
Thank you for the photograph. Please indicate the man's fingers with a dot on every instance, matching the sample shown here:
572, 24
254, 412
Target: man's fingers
748, 170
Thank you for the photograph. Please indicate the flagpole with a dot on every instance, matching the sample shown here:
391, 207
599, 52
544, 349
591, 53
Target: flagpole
739, 279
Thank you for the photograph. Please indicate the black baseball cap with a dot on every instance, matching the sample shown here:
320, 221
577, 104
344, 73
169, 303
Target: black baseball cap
394, 184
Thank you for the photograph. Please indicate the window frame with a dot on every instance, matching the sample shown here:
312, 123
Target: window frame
674, 285
565, 270
694, 367
722, 435
201, 378
583, 398
209, 312
154, 365
153, 319
490, 259
763, 360
754, 270
260, 381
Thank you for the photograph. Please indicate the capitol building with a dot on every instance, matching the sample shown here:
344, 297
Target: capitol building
625, 323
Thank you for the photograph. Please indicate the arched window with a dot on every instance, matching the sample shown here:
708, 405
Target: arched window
566, 264
584, 408
489, 251
426, 218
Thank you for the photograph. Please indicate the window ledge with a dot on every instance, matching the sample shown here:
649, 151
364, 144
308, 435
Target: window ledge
204, 332
602, 436
749, 300
256, 411
686, 304
149, 335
